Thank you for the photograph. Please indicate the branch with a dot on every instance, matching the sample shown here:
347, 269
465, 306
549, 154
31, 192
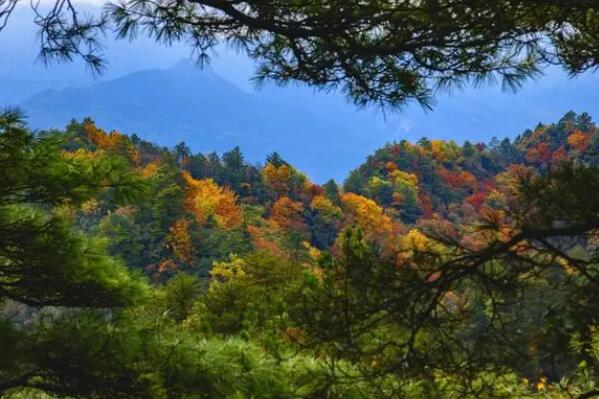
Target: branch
590, 394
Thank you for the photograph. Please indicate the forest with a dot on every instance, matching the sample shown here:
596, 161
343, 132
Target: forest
435, 270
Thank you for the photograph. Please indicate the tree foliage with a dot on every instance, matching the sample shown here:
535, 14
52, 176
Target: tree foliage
437, 270
383, 52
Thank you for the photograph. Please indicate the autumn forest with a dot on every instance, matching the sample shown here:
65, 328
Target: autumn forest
441, 269
434, 270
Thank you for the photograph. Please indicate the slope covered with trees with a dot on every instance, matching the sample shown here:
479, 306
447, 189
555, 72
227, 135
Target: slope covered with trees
433, 176
441, 271
435, 270
203, 207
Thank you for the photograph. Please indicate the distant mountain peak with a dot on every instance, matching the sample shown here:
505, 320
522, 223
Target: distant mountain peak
210, 113
187, 64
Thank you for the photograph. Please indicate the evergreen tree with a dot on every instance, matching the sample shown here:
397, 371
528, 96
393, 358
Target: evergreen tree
45, 261
234, 168
383, 52
354, 182
331, 191
275, 160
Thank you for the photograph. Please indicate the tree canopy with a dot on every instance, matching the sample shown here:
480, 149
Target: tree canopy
437, 270
381, 52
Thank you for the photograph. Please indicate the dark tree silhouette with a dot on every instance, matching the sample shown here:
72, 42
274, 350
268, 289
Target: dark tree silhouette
385, 52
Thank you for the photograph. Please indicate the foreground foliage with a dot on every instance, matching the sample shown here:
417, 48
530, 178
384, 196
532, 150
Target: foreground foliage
385, 52
438, 270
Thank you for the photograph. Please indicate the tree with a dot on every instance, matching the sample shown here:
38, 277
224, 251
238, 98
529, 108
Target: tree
425, 143
380, 190
179, 242
406, 195
287, 214
383, 52
331, 191
468, 150
125, 239
46, 262
276, 160
250, 293
233, 168
585, 122
514, 294
182, 152
369, 216
325, 225
578, 141
355, 182
278, 177
205, 199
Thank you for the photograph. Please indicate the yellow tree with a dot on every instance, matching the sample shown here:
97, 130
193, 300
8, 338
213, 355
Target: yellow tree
113, 141
277, 177
179, 242
368, 215
206, 199
325, 208
578, 140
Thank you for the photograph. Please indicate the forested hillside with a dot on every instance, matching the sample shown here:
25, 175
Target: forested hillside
435, 270
416, 180
202, 208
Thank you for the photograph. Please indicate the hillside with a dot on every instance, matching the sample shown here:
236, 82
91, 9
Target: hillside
374, 199
181, 273
226, 205
446, 175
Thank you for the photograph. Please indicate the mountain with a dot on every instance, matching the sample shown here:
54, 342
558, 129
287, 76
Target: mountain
320, 133
416, 180
139, 94
401, 186
210, 113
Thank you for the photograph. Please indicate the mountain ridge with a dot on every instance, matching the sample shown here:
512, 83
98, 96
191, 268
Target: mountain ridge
209, 113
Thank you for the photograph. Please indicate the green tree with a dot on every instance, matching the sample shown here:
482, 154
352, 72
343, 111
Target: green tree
331, 191
355, 182
46, 262
234, 167
275, 160
182, 152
